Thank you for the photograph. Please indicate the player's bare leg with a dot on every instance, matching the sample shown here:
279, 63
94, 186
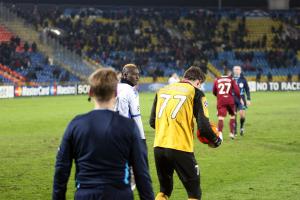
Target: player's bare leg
242, 121
232, 126
161, 196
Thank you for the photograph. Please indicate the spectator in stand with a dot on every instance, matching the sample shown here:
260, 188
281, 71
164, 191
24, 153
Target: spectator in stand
258, 77
270, 77
56, 72
34, 47
26, 47
289, 77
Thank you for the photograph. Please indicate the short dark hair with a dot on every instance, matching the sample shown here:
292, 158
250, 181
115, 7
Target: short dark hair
103, 82
194, 73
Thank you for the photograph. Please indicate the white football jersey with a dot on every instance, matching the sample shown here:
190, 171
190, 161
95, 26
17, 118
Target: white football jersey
128, 105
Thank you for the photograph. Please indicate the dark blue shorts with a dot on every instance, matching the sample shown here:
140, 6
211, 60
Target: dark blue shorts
238, 104
106, 193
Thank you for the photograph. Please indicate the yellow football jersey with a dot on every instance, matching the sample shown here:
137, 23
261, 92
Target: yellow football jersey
174, 117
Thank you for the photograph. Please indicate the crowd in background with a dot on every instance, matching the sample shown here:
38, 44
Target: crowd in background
18, 55
158, 38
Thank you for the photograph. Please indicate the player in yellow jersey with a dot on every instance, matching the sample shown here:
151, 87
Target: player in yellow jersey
174, 109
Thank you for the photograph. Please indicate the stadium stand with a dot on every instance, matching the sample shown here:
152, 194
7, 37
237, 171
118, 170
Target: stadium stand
163, 41
5, 35
23, 64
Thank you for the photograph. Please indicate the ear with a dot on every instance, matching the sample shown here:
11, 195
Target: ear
91, 93
198, 83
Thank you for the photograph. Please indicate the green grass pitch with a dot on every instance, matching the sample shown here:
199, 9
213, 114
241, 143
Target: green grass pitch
263, 165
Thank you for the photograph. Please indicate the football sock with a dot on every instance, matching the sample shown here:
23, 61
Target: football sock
220, 125
235, 127
232, 125
242, 120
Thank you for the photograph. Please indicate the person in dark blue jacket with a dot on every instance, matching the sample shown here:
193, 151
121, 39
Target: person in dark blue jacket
245, 95
104, 145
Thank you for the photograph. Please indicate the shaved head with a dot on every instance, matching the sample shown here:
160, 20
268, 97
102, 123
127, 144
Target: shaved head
131, 73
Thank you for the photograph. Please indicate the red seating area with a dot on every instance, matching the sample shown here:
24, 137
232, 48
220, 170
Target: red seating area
14, 76
5, 35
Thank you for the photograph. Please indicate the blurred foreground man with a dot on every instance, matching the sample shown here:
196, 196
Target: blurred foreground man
174, 109
103, 145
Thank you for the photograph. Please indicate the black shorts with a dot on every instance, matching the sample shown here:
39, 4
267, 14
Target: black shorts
184, 163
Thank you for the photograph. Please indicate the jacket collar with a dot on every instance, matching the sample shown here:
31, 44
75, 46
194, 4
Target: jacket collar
126, 82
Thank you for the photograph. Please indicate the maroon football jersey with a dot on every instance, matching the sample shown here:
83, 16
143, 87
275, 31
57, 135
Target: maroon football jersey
223, 89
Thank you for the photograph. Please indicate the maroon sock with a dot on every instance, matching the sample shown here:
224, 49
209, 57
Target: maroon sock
232, 125
220, 125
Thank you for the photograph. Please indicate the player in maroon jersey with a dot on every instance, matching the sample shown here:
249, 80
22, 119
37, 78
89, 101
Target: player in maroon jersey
223, 89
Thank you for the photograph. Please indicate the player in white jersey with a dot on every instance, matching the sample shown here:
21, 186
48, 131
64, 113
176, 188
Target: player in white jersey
128, 103
128, 100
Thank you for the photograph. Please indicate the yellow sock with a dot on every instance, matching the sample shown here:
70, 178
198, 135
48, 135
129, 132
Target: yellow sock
161, 196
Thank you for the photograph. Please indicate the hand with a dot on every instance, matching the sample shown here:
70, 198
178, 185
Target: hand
242, 102
217, 143
248, 103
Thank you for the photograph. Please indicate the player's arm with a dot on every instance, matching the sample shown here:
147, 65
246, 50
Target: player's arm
201, 115
134, 108
236, 90
140, 167
63, 166
153, 113
247, 90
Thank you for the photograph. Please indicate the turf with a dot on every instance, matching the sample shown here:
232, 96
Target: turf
264, 164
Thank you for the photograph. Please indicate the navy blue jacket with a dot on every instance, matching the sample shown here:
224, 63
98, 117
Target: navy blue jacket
103, 145
243, 85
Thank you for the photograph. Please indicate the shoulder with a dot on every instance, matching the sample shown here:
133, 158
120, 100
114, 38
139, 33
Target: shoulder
78, 121
199, 94
124, 86
125, 89
80, 117
125, 121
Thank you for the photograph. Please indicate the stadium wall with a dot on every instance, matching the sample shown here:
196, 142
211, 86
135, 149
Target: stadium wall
10, 91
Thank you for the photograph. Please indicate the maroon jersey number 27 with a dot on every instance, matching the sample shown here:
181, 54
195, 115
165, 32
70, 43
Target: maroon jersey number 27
223, 88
